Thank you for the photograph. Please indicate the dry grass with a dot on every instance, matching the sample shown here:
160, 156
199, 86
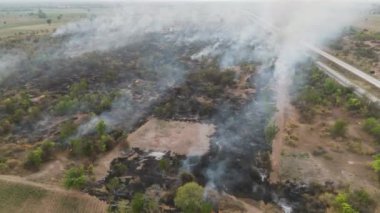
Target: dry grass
17, 195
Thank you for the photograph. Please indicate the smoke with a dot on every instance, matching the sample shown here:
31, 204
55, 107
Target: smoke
9, 61
270, 34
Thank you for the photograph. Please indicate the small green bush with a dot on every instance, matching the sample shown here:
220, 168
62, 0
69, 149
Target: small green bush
270, 132
372, 126
75, 178
34, 158
143, 204
339, 129
67, 129
113, 184
376, 163
342, 205
354, 103
101, 128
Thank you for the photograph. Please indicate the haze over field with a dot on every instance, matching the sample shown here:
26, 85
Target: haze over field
119, 87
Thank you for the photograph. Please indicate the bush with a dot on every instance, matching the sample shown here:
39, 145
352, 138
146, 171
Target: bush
353, 104
369, 124
67, 129
143, 204
75, 178
164, 164
5, 126
81, 147
189, 198
376, 163
113, 184
34, 158
341, 203
78, 89
104, 142
47, 148
101, 128
339, 129
270, 132
65, 105
361, 201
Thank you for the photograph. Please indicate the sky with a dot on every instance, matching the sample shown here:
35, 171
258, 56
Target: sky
52, 1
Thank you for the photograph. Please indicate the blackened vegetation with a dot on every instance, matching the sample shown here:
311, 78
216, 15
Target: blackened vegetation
199, 96
238, 161
138, 172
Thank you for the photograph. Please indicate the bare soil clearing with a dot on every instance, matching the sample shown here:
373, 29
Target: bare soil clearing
184, 138
312, 155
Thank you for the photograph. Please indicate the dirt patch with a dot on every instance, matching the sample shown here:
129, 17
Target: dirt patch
184, 138
103, 164
310, 154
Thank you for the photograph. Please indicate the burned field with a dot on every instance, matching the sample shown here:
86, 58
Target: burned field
135, 124
83, 107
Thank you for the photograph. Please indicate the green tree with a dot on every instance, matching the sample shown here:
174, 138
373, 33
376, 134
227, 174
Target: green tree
189, 198
75, 178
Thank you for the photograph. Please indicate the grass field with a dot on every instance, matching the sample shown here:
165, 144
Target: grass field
371, 23
25, 19
17, 195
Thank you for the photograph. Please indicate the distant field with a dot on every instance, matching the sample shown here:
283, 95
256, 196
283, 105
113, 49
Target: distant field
20, 197
27, 20
371, 23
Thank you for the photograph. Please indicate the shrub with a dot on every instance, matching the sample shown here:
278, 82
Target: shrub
81, 146
5, 126
353, 104
361, 201
75, 178
47, 148
270, 132
101, 128
369, 124
120, 168
34, 158
164, 164
143, 204
376, 163
341, 203
113, 184
65, 105
104, 142
338, 129
78, 89
67, 129
189, 198
372, 126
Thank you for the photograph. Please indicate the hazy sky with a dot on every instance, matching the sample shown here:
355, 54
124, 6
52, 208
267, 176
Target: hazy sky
52, 1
